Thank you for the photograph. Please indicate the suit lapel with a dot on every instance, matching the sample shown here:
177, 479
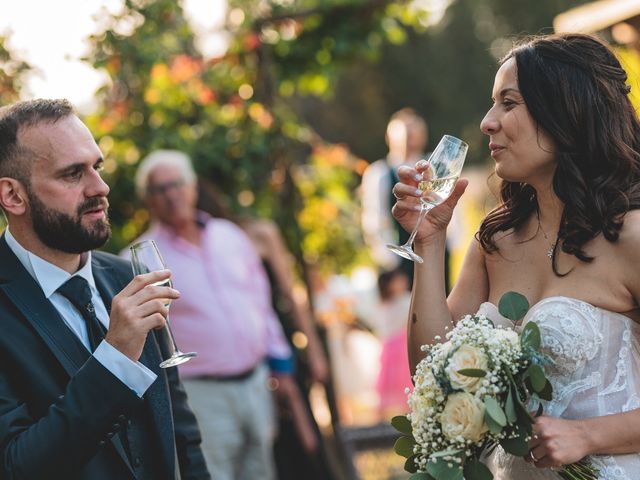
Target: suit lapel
24, 292
106, 282
22, 289
157, 396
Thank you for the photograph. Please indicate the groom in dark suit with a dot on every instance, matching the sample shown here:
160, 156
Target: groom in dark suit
81, 393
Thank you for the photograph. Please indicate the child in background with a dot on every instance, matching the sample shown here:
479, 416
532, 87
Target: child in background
389, 321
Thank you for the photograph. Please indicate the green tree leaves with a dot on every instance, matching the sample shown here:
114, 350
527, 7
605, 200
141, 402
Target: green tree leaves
236, 115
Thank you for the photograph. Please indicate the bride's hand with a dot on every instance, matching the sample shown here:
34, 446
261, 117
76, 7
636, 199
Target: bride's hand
407, 207
557, 442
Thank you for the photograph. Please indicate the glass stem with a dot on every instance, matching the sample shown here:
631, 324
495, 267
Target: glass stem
173, 340
423, 213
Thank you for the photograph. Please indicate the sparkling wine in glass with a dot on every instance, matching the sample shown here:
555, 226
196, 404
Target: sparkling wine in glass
146, 258
445, 166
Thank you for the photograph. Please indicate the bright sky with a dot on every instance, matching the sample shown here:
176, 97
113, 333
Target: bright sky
50, 34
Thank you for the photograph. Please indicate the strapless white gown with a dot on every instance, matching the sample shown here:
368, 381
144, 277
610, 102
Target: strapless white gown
595, 372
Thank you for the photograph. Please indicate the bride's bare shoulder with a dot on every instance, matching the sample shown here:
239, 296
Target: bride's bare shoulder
627, 253
630, 231
626, 249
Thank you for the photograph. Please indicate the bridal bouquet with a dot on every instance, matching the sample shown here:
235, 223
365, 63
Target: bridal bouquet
471, 395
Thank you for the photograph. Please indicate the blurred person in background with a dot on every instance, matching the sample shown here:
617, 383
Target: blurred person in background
299, 451
389, 322
224, 314
407, 137
82, 395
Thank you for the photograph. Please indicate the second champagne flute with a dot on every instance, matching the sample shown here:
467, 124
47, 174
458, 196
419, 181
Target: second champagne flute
445, 166
145, 258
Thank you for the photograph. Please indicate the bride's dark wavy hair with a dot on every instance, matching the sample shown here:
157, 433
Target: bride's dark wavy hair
575, 90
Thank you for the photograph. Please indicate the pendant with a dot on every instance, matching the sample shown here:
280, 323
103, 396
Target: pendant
550, 251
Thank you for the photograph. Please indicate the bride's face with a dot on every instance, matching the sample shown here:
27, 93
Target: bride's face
523, 152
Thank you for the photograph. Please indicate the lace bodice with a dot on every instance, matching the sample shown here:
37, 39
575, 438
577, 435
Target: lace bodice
595, 371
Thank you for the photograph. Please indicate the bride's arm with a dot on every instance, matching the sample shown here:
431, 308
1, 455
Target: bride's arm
557, 441
613, 434
430, 313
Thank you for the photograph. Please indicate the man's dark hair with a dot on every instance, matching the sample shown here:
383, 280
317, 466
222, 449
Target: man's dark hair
15, 158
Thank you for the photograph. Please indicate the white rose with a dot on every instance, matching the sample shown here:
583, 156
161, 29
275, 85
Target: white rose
463, 416
466, 357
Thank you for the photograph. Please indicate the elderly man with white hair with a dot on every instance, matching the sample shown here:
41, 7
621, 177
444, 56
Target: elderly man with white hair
224, 313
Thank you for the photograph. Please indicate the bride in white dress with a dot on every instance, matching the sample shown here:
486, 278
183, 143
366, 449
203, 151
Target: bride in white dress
566, 144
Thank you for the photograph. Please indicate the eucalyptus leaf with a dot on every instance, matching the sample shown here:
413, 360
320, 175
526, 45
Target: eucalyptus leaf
440, 469
522, 412
510, 408
410, 465
547, 391
472, 372
515, 446
518, 446
494, 427
402, 424
513, 306
474, 469
404, 446
494, 410
421, 476
525, 419
530, 336
517, 400
539, 410
538, 380
527, 382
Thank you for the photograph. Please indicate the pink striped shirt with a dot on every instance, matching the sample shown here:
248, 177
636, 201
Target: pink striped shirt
224, 312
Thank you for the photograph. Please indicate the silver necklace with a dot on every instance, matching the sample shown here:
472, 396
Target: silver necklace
552, 245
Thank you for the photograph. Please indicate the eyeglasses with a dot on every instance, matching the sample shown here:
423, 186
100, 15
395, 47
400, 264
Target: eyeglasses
163, 188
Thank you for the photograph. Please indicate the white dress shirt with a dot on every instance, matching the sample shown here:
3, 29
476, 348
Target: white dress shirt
50, 277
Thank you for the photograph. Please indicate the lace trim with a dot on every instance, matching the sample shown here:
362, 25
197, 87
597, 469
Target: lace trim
563, 391
609, 469
632, 403
572, 341
619, 383
516, 469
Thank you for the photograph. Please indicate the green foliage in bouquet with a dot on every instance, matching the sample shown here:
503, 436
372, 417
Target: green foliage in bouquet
506, 375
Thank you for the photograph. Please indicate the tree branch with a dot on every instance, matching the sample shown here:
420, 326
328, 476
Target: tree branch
317, 10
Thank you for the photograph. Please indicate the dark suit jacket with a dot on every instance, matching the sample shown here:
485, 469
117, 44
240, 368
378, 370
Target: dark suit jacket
60, 408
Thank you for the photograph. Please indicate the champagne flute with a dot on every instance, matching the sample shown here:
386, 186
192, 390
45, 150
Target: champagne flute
445, 166
145, 258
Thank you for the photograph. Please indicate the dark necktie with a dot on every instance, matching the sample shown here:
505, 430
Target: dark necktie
78, 292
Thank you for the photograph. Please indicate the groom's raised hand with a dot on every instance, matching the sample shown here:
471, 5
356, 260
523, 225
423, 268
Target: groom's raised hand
138, 308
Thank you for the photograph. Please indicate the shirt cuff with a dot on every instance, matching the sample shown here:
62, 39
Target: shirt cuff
281, 365
133, 374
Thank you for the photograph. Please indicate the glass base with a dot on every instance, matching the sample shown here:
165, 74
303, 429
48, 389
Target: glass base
405, 251
177, 358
